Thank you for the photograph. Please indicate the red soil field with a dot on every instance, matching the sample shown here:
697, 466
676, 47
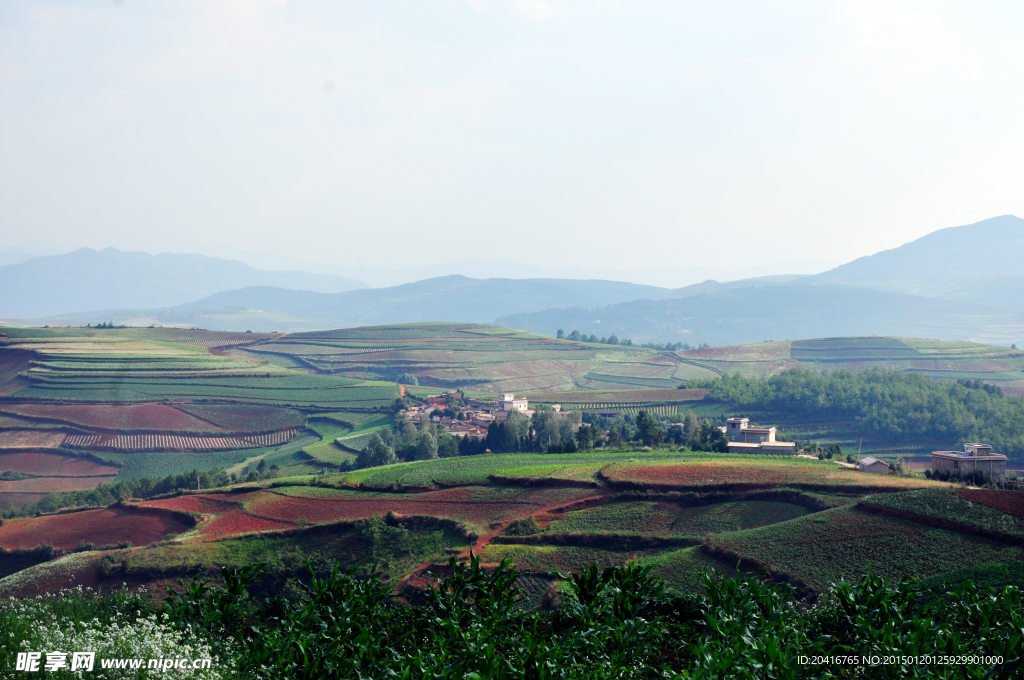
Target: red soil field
154, 417
53, 465
204, 505
31, 439
102, 527
237, 522
47, 484
1010, 502
700, 475
480, 506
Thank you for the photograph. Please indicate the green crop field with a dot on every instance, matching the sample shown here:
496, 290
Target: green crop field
551, 558
683, 570
845, 543
950, 506
667, 519
478, 469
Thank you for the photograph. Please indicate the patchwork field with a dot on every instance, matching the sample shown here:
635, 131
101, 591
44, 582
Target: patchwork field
156, 402
944, 359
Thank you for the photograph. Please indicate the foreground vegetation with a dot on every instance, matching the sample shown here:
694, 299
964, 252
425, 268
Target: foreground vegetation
616, 623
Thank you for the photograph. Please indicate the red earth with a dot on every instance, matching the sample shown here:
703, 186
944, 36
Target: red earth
31, 439
204, 505
272, 510
1010, 502
150, 417
105, 526
47, 484
53, 465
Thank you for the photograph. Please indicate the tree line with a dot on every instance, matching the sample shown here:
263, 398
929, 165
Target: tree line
891, 404
582, 337
547, 432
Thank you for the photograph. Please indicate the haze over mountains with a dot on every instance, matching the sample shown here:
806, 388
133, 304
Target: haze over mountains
88, 279
957, 283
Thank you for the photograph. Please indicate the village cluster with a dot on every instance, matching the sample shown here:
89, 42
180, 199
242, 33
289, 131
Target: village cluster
461, 417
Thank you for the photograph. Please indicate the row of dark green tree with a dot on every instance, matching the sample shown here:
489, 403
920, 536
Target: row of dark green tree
889, 404
583, 337
617, 623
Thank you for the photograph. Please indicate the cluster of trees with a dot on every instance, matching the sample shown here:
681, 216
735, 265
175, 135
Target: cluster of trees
891, 404
580, 337
674, 346
105, 494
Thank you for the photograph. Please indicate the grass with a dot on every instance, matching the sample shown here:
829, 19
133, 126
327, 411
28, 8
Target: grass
845, 543
478, 469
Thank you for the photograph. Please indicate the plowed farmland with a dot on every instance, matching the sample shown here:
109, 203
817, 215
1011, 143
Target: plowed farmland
1010, 502
31, 439
54, 465
152, 417
101, 527
47, 484
476, 507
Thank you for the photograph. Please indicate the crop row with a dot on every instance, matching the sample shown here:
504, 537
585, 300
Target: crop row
149, 442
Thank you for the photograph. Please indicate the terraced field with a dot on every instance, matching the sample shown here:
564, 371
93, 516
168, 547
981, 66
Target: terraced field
481, 358
943, 359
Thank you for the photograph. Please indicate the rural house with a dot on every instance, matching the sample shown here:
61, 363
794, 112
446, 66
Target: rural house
975, 457
745, 439
509, 403
872, 464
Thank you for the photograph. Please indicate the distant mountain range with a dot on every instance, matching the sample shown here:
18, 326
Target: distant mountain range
455, 298
961, 283
88, 279
957, 283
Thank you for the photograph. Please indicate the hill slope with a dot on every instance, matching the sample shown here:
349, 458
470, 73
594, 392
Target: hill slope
737, 316
88, 279
978, 262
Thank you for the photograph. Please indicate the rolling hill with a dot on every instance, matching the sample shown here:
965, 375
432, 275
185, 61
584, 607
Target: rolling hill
977, 262
88, 279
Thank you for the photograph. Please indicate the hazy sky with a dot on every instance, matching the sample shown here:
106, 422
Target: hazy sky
591, 135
